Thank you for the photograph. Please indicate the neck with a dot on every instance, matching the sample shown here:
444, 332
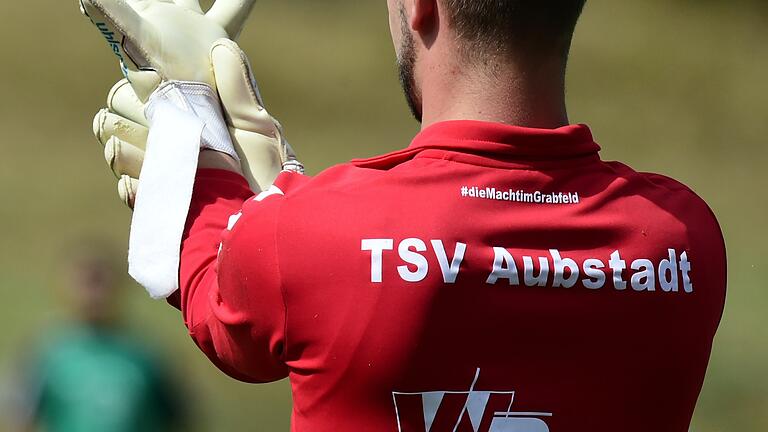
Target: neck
531, 97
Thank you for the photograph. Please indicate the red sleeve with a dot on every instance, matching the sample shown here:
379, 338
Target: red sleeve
230, 293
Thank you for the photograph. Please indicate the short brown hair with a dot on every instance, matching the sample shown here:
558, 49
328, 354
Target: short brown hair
500, 27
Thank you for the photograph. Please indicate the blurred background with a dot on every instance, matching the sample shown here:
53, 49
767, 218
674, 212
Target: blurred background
678, 87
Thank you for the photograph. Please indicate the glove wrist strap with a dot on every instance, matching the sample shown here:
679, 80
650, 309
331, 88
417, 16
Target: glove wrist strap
201, 101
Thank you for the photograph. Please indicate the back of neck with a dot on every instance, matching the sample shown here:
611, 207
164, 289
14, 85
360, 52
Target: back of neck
531, 97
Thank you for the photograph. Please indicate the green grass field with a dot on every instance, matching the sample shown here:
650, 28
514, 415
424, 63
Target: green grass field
676, 87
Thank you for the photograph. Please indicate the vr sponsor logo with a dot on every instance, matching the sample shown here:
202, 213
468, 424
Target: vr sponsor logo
464, 411
668, 273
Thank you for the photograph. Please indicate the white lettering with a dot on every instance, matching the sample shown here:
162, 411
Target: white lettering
645, 279
668, 273
530, 279
503, 268
413, 258
450, 271
685, 268
596, 277
618, 266
377, 248
561, 264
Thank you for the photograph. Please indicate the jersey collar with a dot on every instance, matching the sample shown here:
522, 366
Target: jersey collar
494, 141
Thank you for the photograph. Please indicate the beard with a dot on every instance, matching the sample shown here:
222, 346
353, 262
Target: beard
406, 66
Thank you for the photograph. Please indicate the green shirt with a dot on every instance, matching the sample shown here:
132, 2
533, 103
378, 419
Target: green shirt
90, 380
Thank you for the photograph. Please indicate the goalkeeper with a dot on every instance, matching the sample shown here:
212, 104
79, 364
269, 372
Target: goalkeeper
496, 275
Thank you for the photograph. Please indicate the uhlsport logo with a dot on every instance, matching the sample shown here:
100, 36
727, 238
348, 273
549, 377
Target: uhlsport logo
114, 44
109, 35
459, 411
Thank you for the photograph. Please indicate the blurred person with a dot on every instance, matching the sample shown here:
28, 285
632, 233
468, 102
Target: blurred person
90, 375
496, 275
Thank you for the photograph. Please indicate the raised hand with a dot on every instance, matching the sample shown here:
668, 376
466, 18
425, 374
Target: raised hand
164, 40
122, 129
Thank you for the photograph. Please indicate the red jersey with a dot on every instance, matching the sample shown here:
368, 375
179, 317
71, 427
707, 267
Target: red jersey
488, 278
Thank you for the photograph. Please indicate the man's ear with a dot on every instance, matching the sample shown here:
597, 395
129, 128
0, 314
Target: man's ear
424, 16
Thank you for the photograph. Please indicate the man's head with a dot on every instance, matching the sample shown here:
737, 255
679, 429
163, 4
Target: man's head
478, 34
92, 289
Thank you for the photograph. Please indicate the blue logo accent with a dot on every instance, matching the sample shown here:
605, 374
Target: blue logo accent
113, 43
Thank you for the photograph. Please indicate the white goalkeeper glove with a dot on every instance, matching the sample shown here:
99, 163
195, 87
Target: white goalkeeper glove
165, 40
174, 41
174, 45
122, 128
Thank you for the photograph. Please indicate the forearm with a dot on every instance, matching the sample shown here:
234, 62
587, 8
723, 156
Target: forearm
219, 193
207, 99
209, 160
240, 338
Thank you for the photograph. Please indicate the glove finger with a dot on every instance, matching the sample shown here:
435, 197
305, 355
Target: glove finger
231, 15
126, 189
116, 13
116, 19
110, 31
144, 82
260, 158
107, 125
193, 5
123, 101
122, 27
238, 90
123, 158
